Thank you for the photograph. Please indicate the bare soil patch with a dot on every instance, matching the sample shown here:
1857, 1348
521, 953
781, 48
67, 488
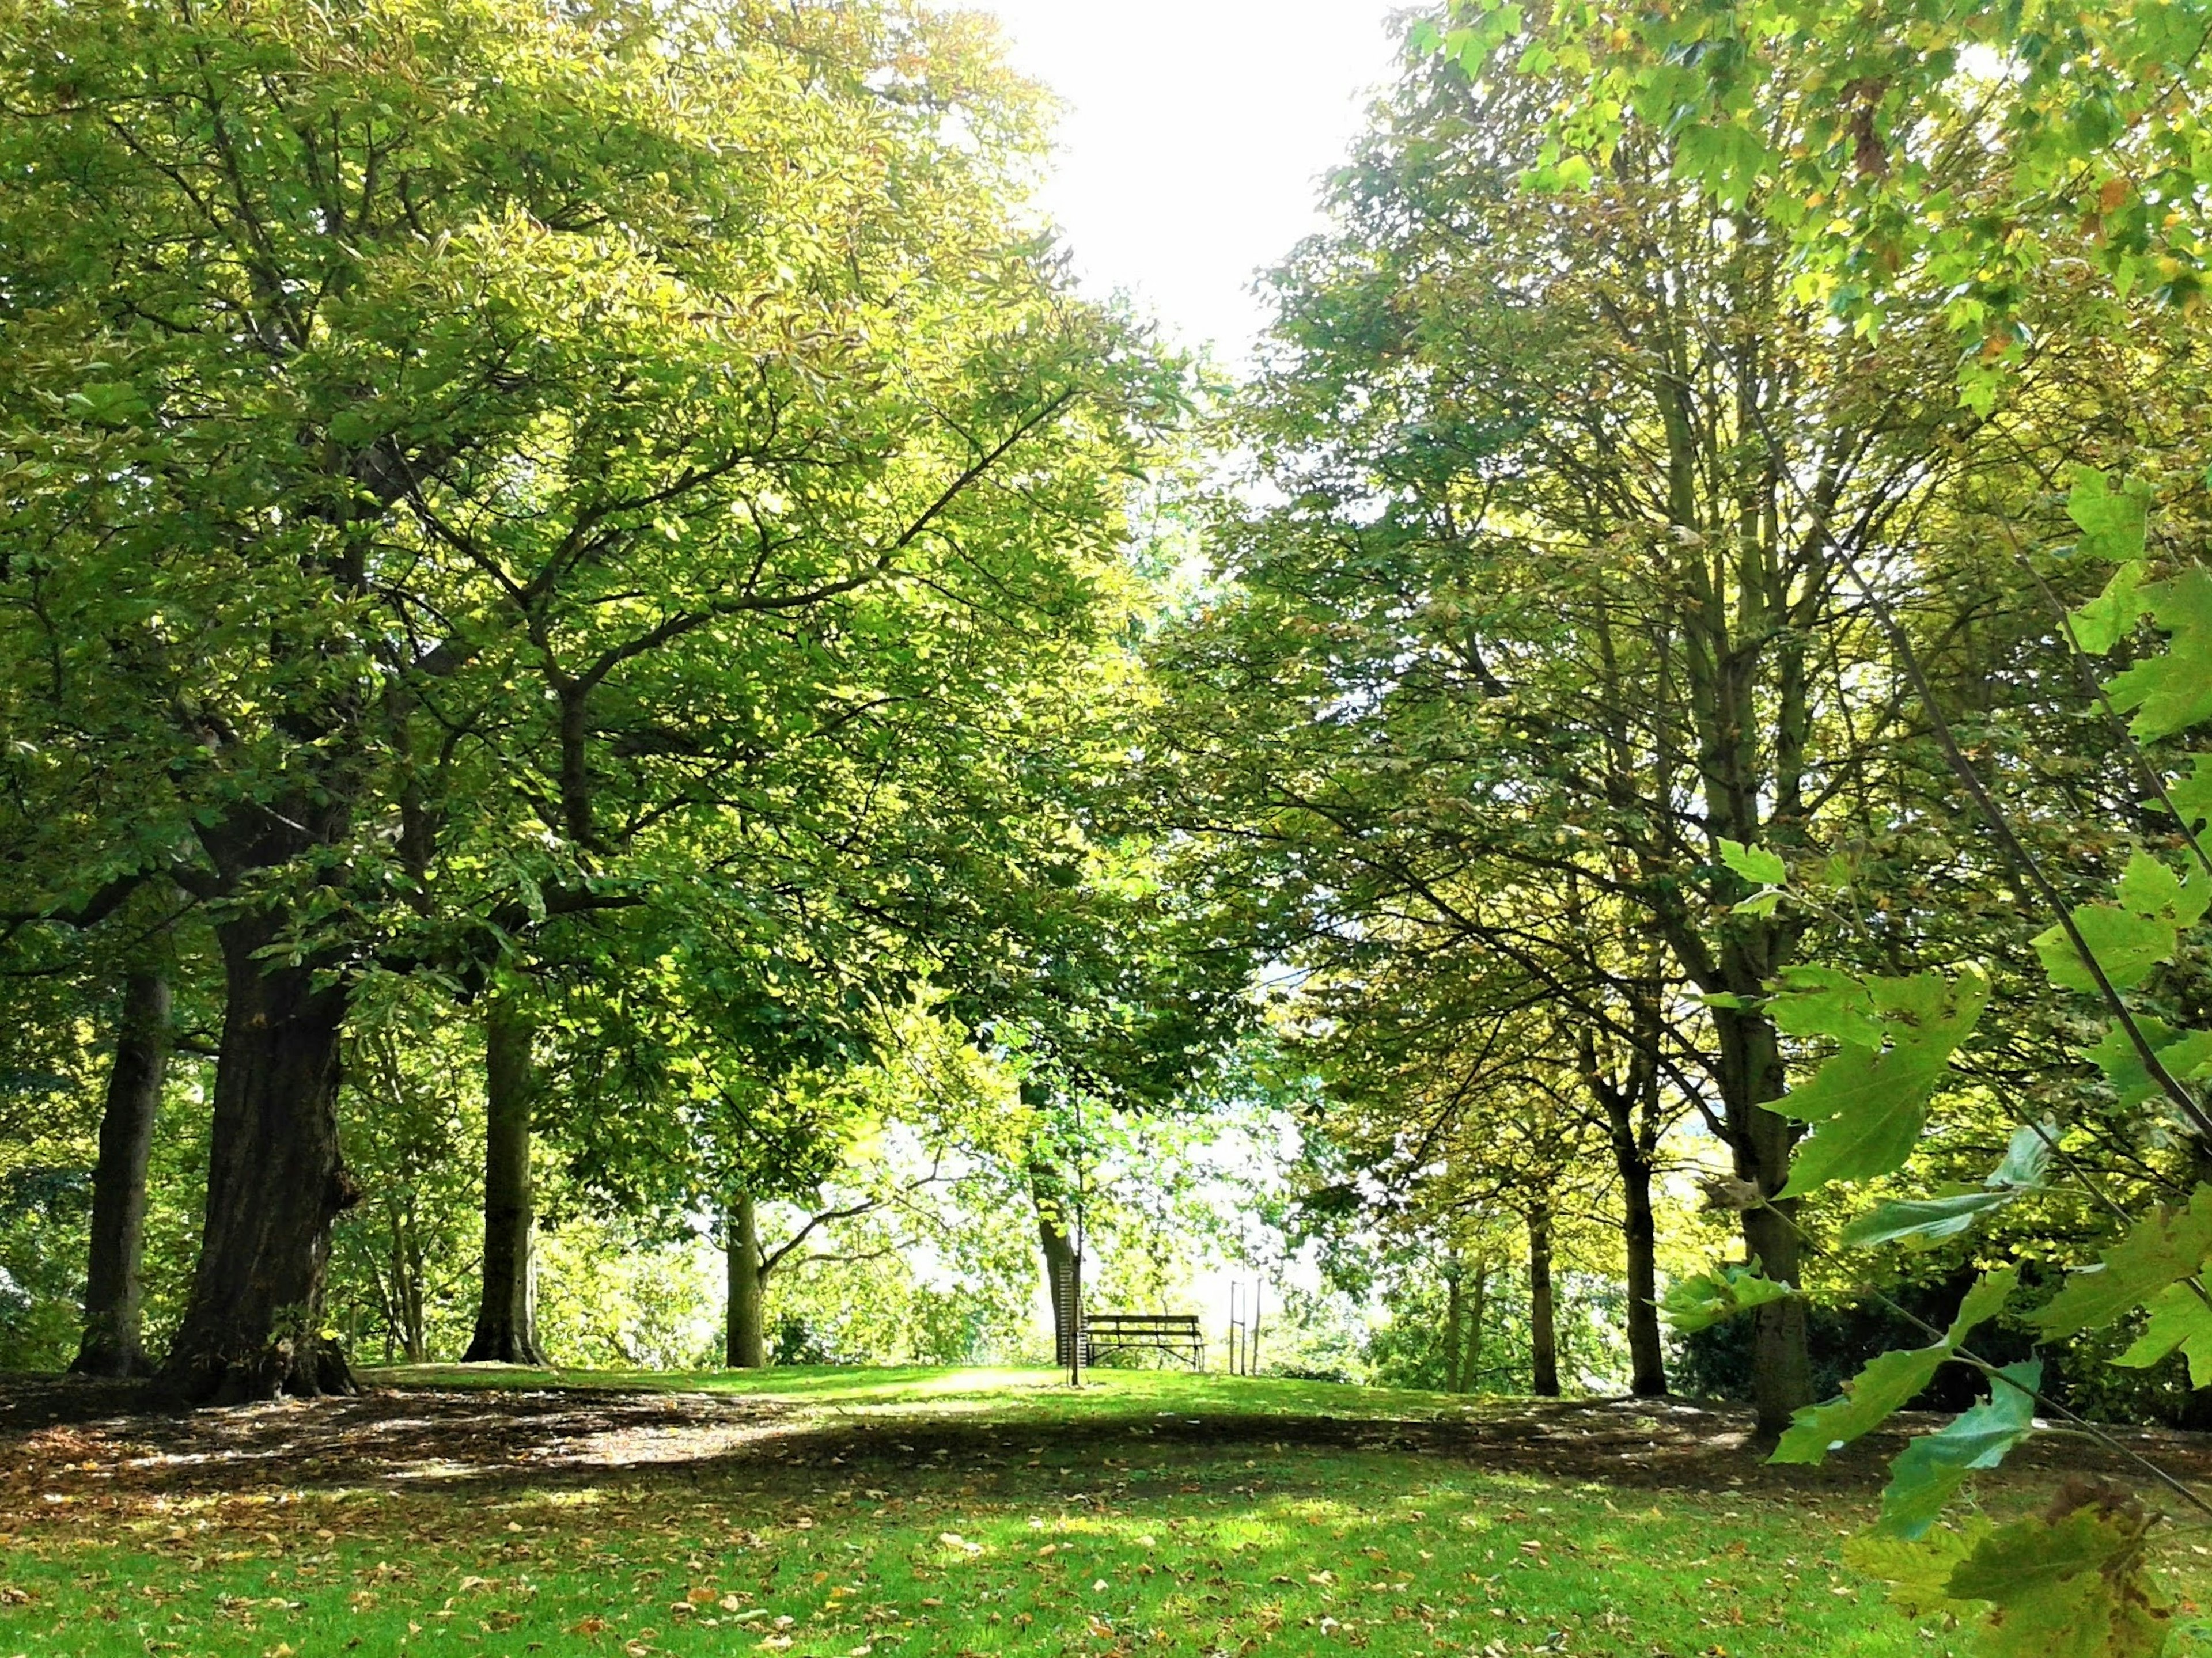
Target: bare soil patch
64, 1440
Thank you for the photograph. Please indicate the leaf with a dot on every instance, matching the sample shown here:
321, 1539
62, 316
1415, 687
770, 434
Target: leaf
2186, 1055
2178, 1318
1889, 1380
1868, 1400
2192, 795
2073, 1587
2173, 692
2149, 888
1921, 1218
1870, 1104
1928, 1470
2128, 946
2111, 525
2111, 616
1917, 1571
1696, 1303
1755, 864
2027, 1158
1822, 1001
2159, 1250
1950, 1213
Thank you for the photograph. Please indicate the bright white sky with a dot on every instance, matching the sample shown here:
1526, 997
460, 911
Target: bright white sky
1196, 134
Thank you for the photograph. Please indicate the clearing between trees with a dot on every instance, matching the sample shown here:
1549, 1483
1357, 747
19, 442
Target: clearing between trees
849, 1512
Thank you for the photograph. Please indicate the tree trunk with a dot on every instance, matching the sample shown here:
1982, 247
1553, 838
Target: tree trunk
507, 1311
1543, 1326
1059, 1248
1478, 1304
744, 1337
112, 1287
252, 1325
1751, 1074
1453, 1311
1647, 1359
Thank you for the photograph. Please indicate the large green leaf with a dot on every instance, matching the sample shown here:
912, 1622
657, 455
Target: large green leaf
1879, 1391
1949, 1213
1927, 1218
1869, 1398
1825, 1001
1917, 1571
1869, 1104
2128, 946
2159, 1251
1928, 1470
2173, 692
2178, 1318
2186, 1055
1755, 864
2112, 521
2192, 795
2149, 887
2111, 616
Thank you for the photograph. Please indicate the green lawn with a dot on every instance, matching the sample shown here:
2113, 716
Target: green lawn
905, 1513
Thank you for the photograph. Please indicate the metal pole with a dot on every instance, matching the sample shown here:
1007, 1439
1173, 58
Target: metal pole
1252, 1366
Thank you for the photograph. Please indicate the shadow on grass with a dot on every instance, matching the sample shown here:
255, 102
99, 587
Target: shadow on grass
495, 1429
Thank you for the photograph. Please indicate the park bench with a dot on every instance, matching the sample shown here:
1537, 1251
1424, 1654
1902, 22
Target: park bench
1175, 1334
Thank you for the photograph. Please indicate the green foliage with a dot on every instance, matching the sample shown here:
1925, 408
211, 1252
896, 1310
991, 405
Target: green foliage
1868, 1102
1882, 1388
2157, 1251
1928, 1220
2070, 1582
1694, 1304
2069, 1586
1929, 1470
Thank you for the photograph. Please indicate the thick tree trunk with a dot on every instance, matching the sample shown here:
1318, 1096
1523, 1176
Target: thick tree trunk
1058, 1245
1543, 1324
744, 1336
253, 1325
1751, 1074
506, 1310
112, 1286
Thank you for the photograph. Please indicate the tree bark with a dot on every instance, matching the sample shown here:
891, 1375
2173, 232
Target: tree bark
507, 1309
113, 1285
1478, 1304
1454, 1310
1058, 1245
1543, 1325
1647, 1356
1633, 1158
252, 1325
744, 1340
1752, 1071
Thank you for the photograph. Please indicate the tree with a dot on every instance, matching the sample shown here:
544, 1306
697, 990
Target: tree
113, 1323
394, 432
1558, 592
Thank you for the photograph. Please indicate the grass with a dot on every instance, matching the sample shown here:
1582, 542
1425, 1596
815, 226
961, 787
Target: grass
1051, 1524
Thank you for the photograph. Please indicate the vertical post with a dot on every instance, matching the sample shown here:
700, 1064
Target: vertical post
1252, 1356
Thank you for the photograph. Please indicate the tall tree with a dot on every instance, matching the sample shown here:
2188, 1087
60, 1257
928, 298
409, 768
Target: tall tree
394, 436
1558, 590
113, 1296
